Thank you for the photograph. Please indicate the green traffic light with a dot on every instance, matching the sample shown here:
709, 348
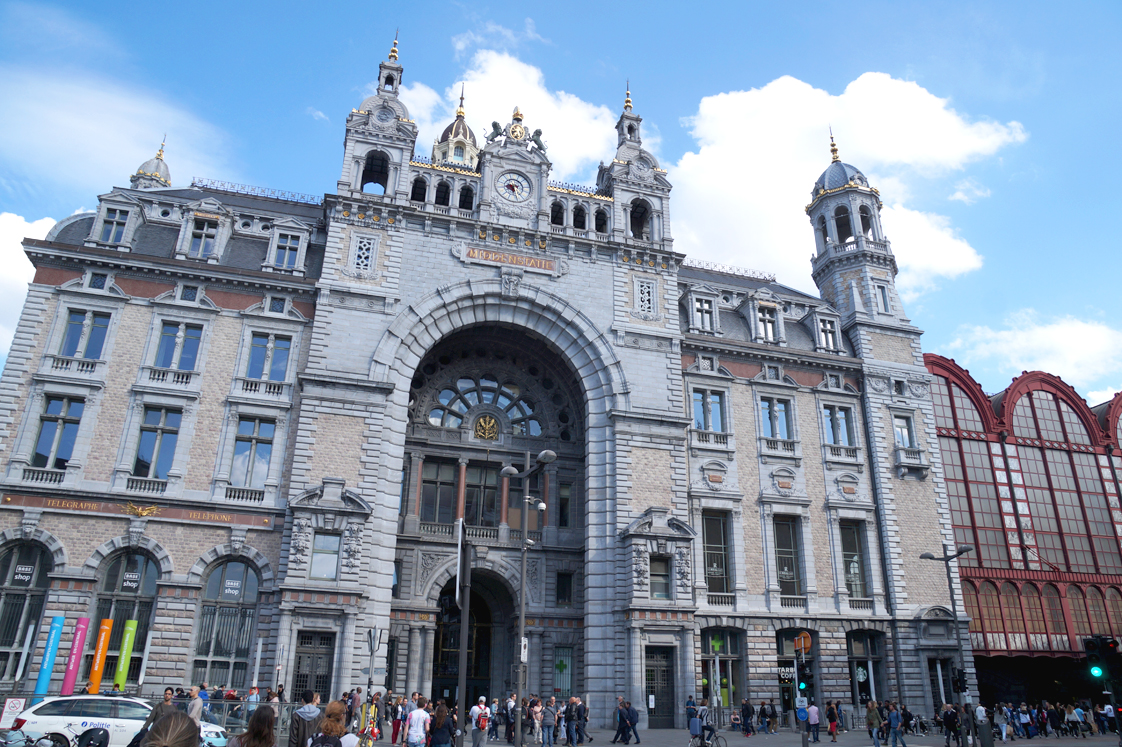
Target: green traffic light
1096, 671
802, 685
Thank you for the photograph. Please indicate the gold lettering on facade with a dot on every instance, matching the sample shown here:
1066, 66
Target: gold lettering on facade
73, 505
507, 258
208, 516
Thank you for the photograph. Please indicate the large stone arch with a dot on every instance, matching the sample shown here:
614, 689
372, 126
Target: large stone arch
498, 571
111, 547
52, 543
227, 552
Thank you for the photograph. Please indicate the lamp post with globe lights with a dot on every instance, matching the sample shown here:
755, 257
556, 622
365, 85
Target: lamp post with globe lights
543, 458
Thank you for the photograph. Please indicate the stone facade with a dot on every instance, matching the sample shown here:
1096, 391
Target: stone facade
341, 379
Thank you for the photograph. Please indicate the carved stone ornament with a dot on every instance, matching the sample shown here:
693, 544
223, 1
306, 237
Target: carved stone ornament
301, 536
30, 523
640, 568
682, 568
514, 210
533, 578
919, 389
512, 280
136, 531
878, 384
429, 563
352, 545
237, 539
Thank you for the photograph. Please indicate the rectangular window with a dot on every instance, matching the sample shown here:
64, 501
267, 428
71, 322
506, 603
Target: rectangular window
660, 578
395, 590
882, 298
268, 357
113, 227
85, 335
775, 418
158, 436
325, 557
189, 293
853, 557
438, 492
704, 309
905, 433
837, 425
709, 411
767, 316
564, 589
58, 429
714, 531
202, 238
288, 246
98, 280
562, 672
788, 559
828, 330
645, 302
364, 249
253, 448
481, 501
179, 346
564, 504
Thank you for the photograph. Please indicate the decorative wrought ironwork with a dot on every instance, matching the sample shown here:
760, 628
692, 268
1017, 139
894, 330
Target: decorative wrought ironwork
698, 264
487, 428
245, 189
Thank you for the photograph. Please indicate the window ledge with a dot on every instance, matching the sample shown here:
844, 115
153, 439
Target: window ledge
263, 389
170, 378
783, 449
146, 485
721, 600
846, 455
37, 476
73, 367
701, 439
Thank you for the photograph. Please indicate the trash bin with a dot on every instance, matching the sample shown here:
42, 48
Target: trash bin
983, 733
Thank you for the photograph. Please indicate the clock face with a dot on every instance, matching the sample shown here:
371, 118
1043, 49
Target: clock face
517, 131
384, 115
513, 186
642, 165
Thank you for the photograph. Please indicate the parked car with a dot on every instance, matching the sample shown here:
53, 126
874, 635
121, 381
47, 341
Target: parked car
63, 718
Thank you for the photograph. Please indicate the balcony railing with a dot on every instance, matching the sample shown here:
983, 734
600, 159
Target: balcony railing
246, 495
484, 533
43, 476
841, 453
710, 438
792, 602
863, 605
909, 459
534, 536
74, 366
782, 446
721, 600
146, 486
170, 377
263, 388
438, 530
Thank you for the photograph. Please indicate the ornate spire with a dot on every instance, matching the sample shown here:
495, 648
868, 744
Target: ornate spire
393, 52
460, 109
517, 116
160, 152
833, 148
627, 101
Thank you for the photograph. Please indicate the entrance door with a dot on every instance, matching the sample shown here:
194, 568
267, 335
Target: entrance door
315, 655
660, 684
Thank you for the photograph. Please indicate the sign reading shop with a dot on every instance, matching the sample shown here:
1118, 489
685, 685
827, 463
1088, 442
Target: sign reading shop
232, 590
23, 575
130, 581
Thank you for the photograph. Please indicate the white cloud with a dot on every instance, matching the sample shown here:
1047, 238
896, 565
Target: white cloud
739, 196
1100, 396
496, 36
316, 114
578, 134
83, 134
18, 271
969, 191
1083, 353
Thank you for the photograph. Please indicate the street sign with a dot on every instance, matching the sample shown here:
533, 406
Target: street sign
525, 649
801, 714
800, 702
803, 643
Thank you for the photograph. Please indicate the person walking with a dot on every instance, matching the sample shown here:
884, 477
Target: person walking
632, 723
747, 716
873, 721
832, 720
571, 721
496, 717
812, 720
331, 728
195, 705
950, 725
549, 722
1001, 720
479, 714
896, 725
417, 724
772, 718
304, 723
582, 721
442, 729
260, 731
621, 721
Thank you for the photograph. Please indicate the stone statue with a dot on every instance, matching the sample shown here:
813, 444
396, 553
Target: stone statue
537, 138
496, 130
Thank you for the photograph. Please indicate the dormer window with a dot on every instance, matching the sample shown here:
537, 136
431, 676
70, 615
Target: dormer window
703, 314
288, 247
768, 326
203, 236
113, 227
828, 333
458, 153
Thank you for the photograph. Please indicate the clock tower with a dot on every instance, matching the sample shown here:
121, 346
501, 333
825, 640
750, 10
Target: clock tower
515, 175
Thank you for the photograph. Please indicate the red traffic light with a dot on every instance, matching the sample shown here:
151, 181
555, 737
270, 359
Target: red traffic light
1110, 646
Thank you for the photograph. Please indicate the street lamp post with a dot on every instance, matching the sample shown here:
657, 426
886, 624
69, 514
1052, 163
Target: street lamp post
946, 560
544, 458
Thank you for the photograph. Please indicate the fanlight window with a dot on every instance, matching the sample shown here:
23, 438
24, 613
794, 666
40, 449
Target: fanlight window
467, 392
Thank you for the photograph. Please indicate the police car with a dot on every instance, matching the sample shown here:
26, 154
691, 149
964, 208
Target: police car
121, 716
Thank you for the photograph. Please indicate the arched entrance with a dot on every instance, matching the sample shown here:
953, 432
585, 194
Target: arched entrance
491, 633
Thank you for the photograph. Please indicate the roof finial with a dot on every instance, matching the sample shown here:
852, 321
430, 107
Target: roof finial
160, 152
627, 101
393, 52
833, 148
460, 108
517, 116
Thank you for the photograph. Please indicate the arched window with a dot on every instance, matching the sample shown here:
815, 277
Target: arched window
843, 224
1114, 607
1100, 625
128, 592
557, 214
1034, 618
640, 219
823, 234
991, 616
1076, 431
601, 221
866, 222
1078, 606
225, 632
1014, 620
1023, 423
419, 191
467, 198
1054, 614
970, 601
389, 83
630, 132
443, 194
579, 218
23, 589
467, 392
376, 173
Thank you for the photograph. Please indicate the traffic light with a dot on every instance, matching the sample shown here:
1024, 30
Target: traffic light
1095, 662
806, 677
958, 680
1112, 655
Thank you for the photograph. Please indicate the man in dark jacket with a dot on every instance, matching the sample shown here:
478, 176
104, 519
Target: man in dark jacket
305, 720
161, 709
621, 721
747, 714
582, 719
632, 722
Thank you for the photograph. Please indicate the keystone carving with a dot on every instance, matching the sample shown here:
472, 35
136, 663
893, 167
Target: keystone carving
301, 536
640, 568
682, 568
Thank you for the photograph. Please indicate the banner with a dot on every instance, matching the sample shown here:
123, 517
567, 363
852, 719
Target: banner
12, 708
43, 682
125, 657
98, 668
74, 660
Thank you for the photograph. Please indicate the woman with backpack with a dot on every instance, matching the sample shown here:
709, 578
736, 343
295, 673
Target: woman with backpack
443, 728
333, 729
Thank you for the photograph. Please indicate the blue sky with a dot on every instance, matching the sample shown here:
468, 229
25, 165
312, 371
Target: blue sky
991, 130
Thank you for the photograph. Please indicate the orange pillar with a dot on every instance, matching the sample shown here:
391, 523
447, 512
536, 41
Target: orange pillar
420, 459
504, 499
461, 489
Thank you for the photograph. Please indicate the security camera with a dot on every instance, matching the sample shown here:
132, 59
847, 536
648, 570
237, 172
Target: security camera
541, 506
529, 543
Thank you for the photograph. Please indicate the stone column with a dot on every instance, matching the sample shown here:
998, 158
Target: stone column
634, 687
426, 662
413, 665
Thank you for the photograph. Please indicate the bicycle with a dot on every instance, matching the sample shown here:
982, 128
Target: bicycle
95, 737
716, 741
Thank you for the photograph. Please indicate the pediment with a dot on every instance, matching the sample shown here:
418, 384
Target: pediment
118, 195
658, 522
331, 496
292, 224
208, 205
